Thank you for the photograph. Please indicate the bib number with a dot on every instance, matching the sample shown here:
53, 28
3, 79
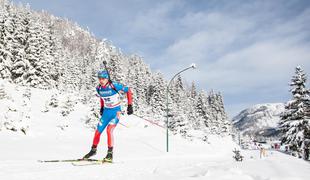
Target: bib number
111, 101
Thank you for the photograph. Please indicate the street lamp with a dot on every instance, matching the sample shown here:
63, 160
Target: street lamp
192, 66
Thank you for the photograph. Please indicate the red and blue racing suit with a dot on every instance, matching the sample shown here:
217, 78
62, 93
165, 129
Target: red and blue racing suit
111, 103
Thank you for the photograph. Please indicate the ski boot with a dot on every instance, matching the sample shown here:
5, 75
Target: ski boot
92, 152
109, 156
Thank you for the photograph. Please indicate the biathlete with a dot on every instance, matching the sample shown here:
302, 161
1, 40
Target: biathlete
110, 111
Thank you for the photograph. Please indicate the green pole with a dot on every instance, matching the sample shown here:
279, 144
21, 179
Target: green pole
167, 121
167, 105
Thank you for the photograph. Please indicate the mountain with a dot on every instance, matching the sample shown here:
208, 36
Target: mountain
259, 120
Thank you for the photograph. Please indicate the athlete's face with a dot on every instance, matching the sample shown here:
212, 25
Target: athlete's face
103, 81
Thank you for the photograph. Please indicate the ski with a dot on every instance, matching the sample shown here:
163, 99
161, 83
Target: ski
90, 163
68, 160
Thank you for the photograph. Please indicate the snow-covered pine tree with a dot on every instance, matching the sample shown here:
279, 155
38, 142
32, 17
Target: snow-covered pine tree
3, 94
218, 118
213, 112
139, 78
306, 125
116, 68
193, 91
158, 96
92, 118
179, 122
67, 106
193, 116
53, 53
54, 100
192, 113
182, 118
176, 90
16, 117
20, 64
25, 110
224, 124
38, 66
6, 38
202, 110
11, 117
292, 119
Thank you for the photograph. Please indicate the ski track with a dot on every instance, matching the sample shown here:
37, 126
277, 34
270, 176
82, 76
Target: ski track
162, 167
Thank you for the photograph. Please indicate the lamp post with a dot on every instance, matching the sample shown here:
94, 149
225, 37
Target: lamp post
192, 66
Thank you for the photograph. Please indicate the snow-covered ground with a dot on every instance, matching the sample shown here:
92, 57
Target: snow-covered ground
139, 152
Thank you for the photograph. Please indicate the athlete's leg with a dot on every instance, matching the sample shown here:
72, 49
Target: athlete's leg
104, 121
110, 136
96, 138
111, 128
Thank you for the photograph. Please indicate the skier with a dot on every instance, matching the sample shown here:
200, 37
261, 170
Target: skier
110, 111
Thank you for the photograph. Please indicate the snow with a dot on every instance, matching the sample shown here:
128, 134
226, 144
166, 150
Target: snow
140, 152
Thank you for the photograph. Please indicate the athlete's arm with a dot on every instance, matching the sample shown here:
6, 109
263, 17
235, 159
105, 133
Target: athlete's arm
125, 89
101, 101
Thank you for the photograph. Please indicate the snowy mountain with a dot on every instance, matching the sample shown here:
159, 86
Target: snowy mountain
259, 120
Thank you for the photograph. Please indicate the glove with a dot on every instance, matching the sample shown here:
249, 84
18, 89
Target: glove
129, 109
101, 111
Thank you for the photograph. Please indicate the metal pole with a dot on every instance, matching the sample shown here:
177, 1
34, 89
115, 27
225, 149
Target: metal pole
167, 104
167, 122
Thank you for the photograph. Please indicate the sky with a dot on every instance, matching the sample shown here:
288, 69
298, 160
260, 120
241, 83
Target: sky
247, 50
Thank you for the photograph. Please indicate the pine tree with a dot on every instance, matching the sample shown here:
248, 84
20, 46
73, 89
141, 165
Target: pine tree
224, 125
3, 94
193, 91
25, 111
179, 122
33, 50
54, 100
116, 68
93, 116
139, 78
6, 38
158, 96
202, 110
20, 63
11, 117
193, 115
53, 53
306, 125
67, 106
293, 119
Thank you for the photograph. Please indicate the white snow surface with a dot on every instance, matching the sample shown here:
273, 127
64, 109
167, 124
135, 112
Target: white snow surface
139, 152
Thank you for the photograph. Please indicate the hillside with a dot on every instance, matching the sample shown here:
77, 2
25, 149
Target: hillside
42, 51
259, 120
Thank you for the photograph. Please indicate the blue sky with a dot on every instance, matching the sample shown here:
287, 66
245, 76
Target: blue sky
245, 49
